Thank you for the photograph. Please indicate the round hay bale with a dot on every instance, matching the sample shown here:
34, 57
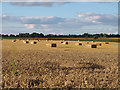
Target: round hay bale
99, 44
13, 40
93, 46
106, 42
53, 45
87, 42
27, 41
34, 42
78, 44
24, 41
65, 43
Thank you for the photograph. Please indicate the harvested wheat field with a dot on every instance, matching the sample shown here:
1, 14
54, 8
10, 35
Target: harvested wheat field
26, 65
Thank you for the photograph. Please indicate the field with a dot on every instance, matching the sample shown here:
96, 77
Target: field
72, 66
73, 39
88, 39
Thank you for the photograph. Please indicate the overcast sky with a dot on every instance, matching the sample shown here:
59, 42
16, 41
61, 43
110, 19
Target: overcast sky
59, 18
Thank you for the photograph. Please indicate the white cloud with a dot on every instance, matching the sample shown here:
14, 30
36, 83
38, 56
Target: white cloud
92, 18
30, 26
108, 19
44, 26
115, 32
109, 33
93, 21
4, 15
84, 14
52, 33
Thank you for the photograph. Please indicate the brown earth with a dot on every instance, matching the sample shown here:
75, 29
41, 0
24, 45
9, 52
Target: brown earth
40, 66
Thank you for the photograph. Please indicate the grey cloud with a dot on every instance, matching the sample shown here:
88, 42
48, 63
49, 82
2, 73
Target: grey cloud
61, 1
42, 20
58, 23
54, 22
6, 18
109, 19
83, 20
46, 4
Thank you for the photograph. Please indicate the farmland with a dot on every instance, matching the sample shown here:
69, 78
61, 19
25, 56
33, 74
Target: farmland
26, 65
73, 39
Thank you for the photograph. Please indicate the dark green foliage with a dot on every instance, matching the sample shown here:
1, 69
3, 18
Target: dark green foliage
41, 35
86, 37
96, 37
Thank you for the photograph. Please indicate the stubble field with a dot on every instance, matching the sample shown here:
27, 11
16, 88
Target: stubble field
41, 66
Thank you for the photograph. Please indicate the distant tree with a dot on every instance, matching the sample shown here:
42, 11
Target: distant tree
105, 35
12, 35
41, 35
4, 35
101, 35
27, 34
96, 37
34, 34
85, 34
50, 35
22, 35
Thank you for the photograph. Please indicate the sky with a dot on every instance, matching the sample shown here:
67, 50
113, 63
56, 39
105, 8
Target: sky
60, 17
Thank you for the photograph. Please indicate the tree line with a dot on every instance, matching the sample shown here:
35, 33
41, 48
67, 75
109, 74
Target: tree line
41, 35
